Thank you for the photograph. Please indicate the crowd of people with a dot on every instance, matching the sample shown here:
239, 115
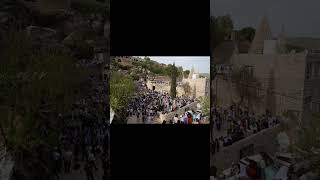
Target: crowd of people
149, 104
189, 117
239, 123
84, 139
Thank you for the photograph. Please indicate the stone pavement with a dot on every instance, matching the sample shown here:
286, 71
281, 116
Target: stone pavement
134, 120
6, 167
81, 175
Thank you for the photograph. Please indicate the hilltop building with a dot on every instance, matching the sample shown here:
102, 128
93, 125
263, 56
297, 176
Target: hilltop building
288, 70
199, 86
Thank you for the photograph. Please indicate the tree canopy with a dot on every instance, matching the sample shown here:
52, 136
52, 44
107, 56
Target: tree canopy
309, 142
35, 86
220, 28
205, 105
186, 88
122, 89
173, 74
247, 33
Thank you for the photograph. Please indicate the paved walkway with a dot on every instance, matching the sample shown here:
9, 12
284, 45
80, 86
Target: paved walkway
6, 167
81, 175
135, 120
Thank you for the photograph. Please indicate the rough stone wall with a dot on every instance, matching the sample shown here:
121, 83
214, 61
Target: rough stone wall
165, 87
199, 85
288, 81
264, 141
312, 85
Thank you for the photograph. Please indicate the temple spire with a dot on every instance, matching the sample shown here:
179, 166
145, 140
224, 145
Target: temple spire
263, 33
282, 40
191, 72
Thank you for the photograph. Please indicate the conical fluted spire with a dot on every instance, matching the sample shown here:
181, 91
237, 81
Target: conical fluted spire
263, 32
191, 72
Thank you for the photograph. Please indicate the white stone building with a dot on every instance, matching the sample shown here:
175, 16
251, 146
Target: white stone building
287, 68
200, 86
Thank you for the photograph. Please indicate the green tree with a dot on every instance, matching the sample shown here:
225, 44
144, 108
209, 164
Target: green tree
309, 144
247, 33
186, 88
173, 75
205, 105
35, 86
186, 73
220, 28
121, 90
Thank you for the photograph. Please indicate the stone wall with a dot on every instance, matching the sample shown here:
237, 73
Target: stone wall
201, 86
312, 85
282, 74
180, 111
164, 87
263, 141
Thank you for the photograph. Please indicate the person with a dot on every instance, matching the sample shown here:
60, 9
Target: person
88, 168
175, 119
67, 160
56, 159
213, 147
218, 144
164, 122
252, 171
189, 116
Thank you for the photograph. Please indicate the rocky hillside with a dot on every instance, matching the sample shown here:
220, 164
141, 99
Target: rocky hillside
137, 66
77, 26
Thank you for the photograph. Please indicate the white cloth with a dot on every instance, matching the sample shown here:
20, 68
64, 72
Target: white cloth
175, 120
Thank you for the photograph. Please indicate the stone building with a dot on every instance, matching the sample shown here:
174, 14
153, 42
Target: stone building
199, 85
286, 68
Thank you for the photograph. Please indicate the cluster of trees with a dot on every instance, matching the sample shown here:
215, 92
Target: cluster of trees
308, 143
35, 86
173, 71
157, 69
122, 88
222, 26
205, 105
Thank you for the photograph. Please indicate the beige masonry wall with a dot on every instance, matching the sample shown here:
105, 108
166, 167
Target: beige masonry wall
263, 141
312, 85
201, 86
284, 74
164, 87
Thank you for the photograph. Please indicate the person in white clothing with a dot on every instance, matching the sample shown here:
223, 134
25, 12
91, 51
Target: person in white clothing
175, 119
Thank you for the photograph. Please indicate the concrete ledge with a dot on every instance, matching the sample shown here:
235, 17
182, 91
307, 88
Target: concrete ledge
180, 111
263, 141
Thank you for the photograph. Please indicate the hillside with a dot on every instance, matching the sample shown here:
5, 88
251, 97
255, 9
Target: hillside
142, 67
